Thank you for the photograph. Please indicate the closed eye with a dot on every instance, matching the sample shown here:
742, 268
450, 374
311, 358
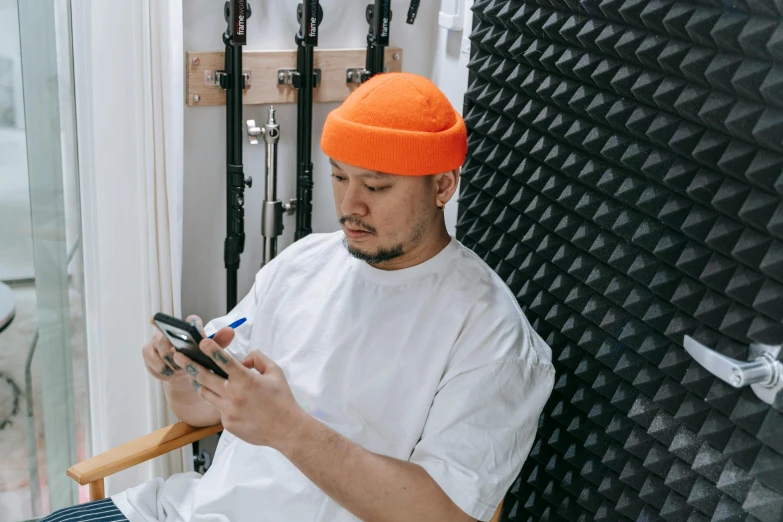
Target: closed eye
340, 179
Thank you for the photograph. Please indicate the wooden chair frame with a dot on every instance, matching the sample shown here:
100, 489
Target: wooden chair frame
93, 471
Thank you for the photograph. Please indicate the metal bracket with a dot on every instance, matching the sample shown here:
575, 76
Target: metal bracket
270, 131
291, 77
359, 75
355, 75
764, 373
271, 218
290, 207
214, 78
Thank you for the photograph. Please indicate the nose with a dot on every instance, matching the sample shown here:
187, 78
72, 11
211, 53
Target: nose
352, 203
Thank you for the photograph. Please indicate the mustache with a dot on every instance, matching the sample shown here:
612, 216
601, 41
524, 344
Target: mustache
356, 223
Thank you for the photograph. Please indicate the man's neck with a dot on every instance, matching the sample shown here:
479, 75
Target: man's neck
427, 248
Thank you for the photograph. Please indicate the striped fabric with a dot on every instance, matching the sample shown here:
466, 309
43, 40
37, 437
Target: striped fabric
98, 511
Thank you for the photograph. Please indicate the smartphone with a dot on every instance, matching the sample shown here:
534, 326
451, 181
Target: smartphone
185, 338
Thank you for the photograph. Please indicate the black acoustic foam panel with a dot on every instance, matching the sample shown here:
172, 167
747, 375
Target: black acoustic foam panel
624, 178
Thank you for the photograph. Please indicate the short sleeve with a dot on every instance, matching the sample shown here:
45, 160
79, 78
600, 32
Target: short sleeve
479, 431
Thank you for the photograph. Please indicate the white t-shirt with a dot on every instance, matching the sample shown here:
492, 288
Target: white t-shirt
433, 364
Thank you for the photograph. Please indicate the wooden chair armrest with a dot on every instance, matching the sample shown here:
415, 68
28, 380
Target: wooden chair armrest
93, 470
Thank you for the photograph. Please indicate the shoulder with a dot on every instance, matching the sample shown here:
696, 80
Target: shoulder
494, 324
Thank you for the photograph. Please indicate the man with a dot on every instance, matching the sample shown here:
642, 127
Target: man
385, 372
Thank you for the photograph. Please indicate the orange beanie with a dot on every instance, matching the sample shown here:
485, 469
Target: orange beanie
396, 123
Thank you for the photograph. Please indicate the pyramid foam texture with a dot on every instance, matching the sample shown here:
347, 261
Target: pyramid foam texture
624, 177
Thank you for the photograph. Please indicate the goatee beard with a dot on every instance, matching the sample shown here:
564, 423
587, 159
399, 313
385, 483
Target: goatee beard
381, 255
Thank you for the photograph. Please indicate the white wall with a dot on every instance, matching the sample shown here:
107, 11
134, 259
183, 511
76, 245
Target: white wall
427, 50
449, 72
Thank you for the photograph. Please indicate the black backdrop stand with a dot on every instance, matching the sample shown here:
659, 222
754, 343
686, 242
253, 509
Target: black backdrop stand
379, 17
236, 13
310, 15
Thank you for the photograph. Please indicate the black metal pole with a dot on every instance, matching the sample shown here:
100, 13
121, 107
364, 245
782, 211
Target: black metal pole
236, 14
310, 15
379, 17
413, 10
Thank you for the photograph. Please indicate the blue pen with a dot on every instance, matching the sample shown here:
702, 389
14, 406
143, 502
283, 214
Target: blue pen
236, 323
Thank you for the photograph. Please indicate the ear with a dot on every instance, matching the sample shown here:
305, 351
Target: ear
445, 186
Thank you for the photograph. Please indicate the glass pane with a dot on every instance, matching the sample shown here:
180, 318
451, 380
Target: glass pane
44, 425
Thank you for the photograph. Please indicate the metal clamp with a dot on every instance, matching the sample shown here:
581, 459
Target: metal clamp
271, 218
290, 207
292, 77
359, 75
253, 132
270, 131
355, 75
214, 78
763, 372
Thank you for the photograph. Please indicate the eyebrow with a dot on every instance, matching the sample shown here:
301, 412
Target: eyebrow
368, 174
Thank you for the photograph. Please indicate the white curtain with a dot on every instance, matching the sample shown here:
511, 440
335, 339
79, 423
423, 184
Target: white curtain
163, 65
129, 70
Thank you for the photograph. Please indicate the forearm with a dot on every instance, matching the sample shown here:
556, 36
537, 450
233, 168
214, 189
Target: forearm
373, 487
187, 405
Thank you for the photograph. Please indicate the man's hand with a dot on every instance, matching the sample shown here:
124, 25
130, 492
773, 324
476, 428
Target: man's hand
255, 402
158, 357
158, 354
256, 405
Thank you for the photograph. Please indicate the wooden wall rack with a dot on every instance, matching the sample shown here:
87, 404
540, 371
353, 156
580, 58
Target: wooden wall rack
263, 67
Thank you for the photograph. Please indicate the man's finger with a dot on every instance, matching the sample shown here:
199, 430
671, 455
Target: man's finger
224, 336
160, 371
200, 375
164, 349
258, 361
197, 322
221, 357
209, 396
